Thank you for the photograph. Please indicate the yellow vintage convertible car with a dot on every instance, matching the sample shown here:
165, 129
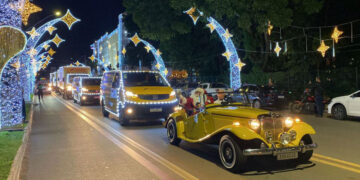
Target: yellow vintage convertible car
242, 131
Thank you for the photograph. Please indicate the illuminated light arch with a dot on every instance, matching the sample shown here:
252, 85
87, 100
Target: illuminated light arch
99, 61
230, 53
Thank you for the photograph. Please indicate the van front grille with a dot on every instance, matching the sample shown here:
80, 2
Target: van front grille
154, 97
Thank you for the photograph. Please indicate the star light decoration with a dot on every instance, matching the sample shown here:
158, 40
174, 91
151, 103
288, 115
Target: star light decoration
77, 63
135, 39
227, 35
336, 34
16, 65
158, 66
46, 47
148, 48
57, 40
158, 52
32, 52
92, 58
69, 19
29, 8
50, 29
48, 58
33, 33
51, 52
166, 72
240, 64
123, 51
191, 13
277, 49
227, 54
270, 28
323, 48
211, 26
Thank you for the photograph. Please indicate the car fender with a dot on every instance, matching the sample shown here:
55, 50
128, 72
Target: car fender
242, 132
301, 130
177, 116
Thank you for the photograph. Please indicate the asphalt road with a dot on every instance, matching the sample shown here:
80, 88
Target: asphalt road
69, 141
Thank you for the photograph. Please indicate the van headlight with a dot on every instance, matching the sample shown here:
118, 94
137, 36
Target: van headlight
131, 94
172, 94
289, 122
69, 88
254, 124
84, 90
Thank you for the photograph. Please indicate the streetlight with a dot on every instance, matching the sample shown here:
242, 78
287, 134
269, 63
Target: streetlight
57, 13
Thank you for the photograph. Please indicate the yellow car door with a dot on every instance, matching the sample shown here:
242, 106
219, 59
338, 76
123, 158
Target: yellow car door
195, 127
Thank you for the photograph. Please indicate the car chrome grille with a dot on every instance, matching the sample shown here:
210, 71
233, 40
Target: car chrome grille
93, 91
271, 128
154, 97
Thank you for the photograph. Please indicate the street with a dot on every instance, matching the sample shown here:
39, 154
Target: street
69, 141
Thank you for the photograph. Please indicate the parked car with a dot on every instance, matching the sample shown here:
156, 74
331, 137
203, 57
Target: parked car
343, 106
266, 96
86, 90
242, 131
214, 87
136, 94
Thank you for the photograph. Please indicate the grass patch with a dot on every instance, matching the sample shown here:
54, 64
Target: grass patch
9, 144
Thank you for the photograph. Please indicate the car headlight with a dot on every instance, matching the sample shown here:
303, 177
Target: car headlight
84, 90
254, 124
69, 88
178, 108
131, 94
172, 94
289, 122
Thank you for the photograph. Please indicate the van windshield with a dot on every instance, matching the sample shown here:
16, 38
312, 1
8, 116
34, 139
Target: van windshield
71, 77
91, 82
143, 79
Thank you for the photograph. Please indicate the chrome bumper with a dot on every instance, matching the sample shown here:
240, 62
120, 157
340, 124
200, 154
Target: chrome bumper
276, 151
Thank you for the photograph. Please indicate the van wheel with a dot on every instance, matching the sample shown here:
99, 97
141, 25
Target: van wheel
104, 112
231, 155
172, 133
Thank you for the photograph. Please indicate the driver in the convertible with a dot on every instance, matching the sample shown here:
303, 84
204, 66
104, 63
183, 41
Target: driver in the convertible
220, 96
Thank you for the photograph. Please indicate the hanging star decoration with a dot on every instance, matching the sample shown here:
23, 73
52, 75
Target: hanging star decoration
92, 58
227, 54
51, 52
270, 28
42, 56
71, 65
77, 63
158, 52
227, 35
57, 40
16, 65
157, 65
135, 39
33, 33
323, 48
123, 52
148, 48
166, 71
69, 19
48, 58
211, 26
191, 13
29, 8
32, 52
46, 46
240, 64
277, 49
51, 29
336, 34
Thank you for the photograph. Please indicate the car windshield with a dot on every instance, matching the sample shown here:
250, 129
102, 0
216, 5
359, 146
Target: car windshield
71, 77
91, 82
143, 79
229, 98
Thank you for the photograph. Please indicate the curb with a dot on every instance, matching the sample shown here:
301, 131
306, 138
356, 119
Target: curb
18, 160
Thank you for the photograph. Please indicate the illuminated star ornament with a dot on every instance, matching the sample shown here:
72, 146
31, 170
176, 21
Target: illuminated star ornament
323, 48
33, 33
211, 26
77, 63
270, 28
135, 39
16, 65
158, 66
92, 58
148, 48
46, 46
158, 52
227, 54
48, 58
50, 29
240, 64
277, 49
123, 51
69, 19
32, 52
191, 12
29, 8
51, 52
227, 35
57, 40
42, 56
166, 72
336, 34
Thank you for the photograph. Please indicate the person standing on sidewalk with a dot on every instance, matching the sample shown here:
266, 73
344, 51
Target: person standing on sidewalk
318, 92
40, 92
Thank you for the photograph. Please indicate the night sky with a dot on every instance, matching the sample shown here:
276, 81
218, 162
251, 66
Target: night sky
97, 18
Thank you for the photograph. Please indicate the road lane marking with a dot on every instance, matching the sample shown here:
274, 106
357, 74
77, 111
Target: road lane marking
336, 160
336, 165
182, 173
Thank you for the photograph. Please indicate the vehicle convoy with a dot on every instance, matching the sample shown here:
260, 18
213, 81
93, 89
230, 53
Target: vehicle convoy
343, 106
136, 94
241, 131
66, 74
86, 90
